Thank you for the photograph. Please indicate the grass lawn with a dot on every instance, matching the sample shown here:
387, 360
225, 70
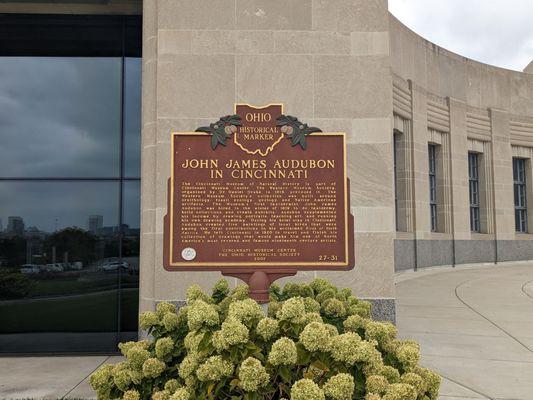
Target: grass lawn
87, 283
91, 312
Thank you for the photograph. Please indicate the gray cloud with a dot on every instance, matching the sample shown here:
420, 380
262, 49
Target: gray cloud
59, 116
496, 32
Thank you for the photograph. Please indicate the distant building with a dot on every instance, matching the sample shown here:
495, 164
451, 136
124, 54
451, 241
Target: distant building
35, 233
15, 225
95, 223
1, 225
108, 231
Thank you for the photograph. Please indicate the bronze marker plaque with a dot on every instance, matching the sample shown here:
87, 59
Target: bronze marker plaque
258, 190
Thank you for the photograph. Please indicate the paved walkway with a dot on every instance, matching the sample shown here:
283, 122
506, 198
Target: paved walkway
475, 327
49, 377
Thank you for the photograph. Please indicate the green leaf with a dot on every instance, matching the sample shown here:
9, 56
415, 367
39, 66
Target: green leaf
210, 388
299, 130
312, 129
233, 353
303, 355
284, 373
257, 354
217, 130
251, 346
308, 375
206, 340
303, 142
214, 142
320, 365
205, 129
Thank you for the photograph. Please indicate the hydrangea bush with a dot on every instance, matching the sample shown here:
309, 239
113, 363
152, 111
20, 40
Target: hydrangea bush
316, 343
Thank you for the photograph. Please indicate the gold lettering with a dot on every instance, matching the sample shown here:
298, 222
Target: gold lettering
258, 117
196, 163
216, 173
258, 136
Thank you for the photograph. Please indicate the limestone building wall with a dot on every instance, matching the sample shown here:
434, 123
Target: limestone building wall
341, 65
461, 106
326, 60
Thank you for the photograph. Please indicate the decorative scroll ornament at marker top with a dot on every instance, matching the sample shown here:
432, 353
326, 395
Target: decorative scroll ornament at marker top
291, 127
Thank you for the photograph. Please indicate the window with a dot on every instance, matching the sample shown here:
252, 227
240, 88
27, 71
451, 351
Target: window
520, 194
432, 155
69, 181
473, 179
395, 140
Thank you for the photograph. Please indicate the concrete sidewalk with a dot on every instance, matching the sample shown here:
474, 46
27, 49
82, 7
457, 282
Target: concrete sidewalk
475, 327
49, 377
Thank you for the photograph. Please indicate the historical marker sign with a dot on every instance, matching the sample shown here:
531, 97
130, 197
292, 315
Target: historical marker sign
258, 191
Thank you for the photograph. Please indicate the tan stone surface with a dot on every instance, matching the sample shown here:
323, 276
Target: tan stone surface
174, 42
260, 81
192, 86
305, 42
273, 14
195, 14
350, 15
370, 130
372, 276
370, 43
459, 171
369, 170
149, 90
503, 175
420, 161
301, 53
352, 87
232, 42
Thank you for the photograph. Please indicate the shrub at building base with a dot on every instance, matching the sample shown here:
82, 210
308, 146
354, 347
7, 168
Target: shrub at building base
316, 343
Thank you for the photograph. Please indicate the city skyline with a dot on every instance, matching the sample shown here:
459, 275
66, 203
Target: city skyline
18, 225
57, 205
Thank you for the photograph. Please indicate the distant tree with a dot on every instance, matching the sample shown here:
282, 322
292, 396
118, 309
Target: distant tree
13, 251
79, 244
111, 247
130, 247
14, 285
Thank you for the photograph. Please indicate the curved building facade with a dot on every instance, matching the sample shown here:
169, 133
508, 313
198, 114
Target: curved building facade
478, 121
439, 146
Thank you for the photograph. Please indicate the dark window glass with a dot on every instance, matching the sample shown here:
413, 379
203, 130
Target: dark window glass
395, 156
60, 117
132, 117
473, 179
130, 254
520, 194
432, 186
70, 95
68, 35
59, 257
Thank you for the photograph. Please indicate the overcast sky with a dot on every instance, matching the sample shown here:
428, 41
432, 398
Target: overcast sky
498, 32
60, 117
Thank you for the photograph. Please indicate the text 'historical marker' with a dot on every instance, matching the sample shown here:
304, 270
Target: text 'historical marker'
258, 191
